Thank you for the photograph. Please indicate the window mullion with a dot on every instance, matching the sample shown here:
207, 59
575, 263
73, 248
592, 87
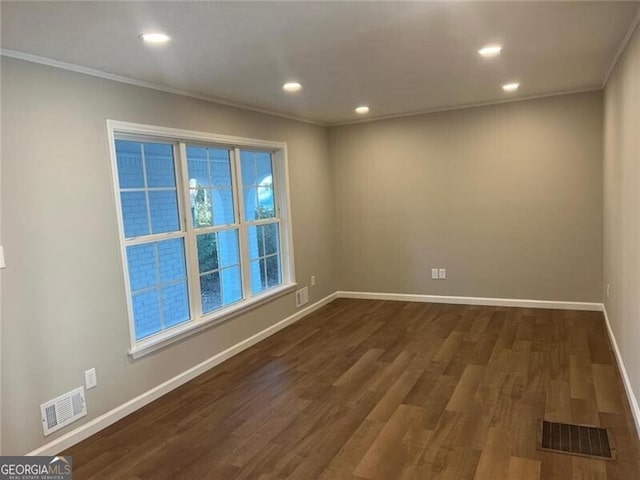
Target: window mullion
158, 286
146, 187
245, 263
216, 228
191, 246
158, 237
263, 221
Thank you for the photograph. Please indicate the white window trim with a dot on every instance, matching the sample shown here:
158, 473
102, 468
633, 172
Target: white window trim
281, 178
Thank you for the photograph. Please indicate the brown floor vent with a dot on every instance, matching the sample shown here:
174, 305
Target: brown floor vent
572, 439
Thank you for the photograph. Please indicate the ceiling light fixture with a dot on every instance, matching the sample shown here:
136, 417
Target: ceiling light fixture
155, 38
362, 109
510, 87
292, 87
490, 50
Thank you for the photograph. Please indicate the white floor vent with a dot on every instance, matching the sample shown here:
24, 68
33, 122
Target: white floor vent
63, 410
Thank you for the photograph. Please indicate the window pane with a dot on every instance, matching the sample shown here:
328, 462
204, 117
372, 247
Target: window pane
231, 285
269, 239
248, 167
222, 200
175, 304
258, 276
197, 166
257, 182
156, 263
210, 291
201, 207
141, 260
210, 186
218, 250
219, 260
130, 172
172, 261
158, 159
134, 214
207, 252
265, 273
263, 166
146, 166
163, 206
263, 240
146, 314
252, 233
228, 248
211, 206
209, 167
158, 279
251, 203
273, 271
266, 203
221, 170
264, 252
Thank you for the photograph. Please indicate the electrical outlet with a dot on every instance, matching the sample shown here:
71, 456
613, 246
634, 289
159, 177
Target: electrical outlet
90, 378
608, 290
442, 273
434, 274
313, 280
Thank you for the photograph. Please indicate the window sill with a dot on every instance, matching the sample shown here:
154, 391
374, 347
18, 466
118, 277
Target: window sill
184, 330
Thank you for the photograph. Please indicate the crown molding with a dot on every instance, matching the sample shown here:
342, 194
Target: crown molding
27, 57
466, 106
176, 91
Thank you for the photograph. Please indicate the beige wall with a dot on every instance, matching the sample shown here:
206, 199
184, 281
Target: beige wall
63, 303
622, 205
507, 198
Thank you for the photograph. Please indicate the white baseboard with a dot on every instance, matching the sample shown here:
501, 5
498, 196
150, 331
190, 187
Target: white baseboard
633, 401
492, 302
103, 421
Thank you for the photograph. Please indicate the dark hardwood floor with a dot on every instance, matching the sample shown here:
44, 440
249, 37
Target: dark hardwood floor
384, 390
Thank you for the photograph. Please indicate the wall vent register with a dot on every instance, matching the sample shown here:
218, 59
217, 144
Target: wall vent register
63, 410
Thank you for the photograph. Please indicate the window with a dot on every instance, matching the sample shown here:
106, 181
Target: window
204, 227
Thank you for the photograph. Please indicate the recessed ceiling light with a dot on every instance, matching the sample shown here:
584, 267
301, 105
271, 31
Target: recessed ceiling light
510, 87
490, 50
292, 87
362, 109
155, 38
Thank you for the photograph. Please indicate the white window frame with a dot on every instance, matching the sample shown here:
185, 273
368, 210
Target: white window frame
179, 138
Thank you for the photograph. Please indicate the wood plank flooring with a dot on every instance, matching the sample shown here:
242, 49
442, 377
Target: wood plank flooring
384, 390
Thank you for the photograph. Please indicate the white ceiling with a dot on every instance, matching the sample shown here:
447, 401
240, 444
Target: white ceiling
396, 57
